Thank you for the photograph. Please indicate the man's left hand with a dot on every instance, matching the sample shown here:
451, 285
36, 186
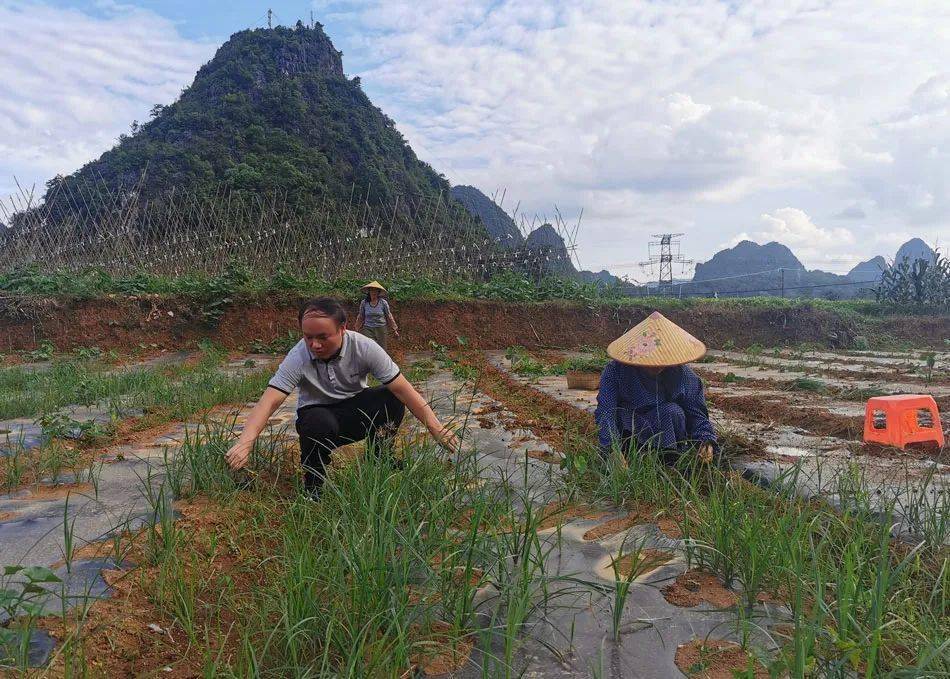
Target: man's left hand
705, 453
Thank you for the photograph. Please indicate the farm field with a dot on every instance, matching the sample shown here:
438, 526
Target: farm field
130, 549
216, 230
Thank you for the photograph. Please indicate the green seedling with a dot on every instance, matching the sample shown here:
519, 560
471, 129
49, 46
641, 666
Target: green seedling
623, 581
69, 532
22, 598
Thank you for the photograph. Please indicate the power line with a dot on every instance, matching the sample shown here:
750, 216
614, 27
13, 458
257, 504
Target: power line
748, 291
729, 278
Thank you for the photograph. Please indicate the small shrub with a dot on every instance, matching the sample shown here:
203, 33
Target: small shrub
809, 384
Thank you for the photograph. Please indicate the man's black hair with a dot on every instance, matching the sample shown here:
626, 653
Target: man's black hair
323, 306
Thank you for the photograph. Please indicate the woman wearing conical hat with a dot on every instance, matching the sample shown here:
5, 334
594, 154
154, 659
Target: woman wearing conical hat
649, 397
375, 315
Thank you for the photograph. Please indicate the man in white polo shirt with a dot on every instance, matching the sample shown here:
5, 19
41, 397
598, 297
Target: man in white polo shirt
335, 406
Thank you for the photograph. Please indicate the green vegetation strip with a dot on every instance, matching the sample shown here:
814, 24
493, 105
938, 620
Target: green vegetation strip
525, 364
166, 394
217, 291
176, 389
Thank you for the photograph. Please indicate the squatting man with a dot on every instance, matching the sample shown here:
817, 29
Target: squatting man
329, 366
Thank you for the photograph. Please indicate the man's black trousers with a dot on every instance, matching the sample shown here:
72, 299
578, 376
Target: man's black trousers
373, 414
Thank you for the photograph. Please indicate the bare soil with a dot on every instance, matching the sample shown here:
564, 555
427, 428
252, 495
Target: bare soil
442, 652
613, 526
781, 411
639, 516
173, 322
641, 563
57, 492
715, 659
544, 456
559, 513
695, 587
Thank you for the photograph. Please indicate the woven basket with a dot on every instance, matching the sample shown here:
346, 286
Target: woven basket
583, 380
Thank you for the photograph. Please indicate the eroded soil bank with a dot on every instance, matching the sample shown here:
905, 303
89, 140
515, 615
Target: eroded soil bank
127, 322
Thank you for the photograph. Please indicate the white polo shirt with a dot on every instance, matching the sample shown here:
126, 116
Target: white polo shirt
337, 379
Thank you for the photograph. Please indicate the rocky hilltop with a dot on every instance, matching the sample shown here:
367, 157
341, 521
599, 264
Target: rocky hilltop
868, 271
272, 113
507, 234
497, 222
747, 257
913, 249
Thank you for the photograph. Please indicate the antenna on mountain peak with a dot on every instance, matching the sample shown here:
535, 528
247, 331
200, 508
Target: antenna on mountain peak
270, 15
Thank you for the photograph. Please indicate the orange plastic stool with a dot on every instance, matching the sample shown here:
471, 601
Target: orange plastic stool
896, 421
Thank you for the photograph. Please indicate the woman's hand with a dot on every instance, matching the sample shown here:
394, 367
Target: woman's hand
238, 455
705, 453
396, 331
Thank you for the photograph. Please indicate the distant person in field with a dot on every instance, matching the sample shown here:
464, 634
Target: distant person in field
375, 315
650, 398
330, 366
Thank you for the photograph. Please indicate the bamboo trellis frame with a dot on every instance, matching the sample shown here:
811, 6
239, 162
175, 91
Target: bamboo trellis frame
184, 232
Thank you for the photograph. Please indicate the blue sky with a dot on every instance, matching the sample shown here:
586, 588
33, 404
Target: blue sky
204, 20
824, 124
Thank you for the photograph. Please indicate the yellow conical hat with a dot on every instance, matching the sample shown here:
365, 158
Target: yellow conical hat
658, 342
374, 284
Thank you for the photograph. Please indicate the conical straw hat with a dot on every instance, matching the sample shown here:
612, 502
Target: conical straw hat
658, 342
374, 284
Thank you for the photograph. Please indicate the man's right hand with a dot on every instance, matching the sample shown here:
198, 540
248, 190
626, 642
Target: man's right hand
446, 438
238, 454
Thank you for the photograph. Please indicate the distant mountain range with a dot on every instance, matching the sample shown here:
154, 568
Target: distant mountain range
750, 268
747, 268
273, 113
506, 233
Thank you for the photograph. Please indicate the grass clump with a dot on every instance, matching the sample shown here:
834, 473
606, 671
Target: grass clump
585, 364
809, 384
522, 363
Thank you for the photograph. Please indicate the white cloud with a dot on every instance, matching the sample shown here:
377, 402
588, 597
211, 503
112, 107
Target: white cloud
74, 82
793, 227
914, 180
814, 245
701, 115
